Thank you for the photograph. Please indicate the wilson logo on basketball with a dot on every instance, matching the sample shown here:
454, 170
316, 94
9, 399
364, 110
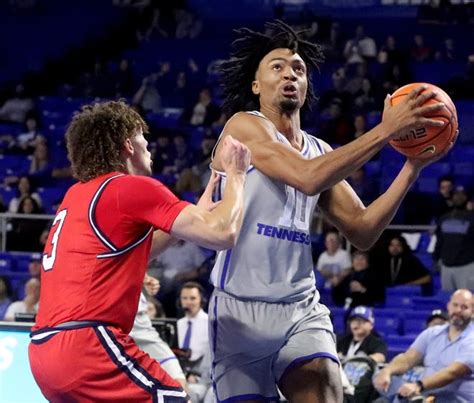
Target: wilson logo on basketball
412, 135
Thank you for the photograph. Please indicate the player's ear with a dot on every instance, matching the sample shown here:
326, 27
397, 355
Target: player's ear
256, 87
128, 146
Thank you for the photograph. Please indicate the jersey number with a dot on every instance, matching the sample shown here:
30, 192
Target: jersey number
297, 210
48, 261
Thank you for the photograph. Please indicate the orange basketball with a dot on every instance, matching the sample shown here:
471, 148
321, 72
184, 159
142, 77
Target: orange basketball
426, 142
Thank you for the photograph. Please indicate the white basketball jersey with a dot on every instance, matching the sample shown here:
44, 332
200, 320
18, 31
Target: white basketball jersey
272, 259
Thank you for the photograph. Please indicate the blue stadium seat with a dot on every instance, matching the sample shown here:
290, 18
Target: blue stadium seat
414, 322
387, 321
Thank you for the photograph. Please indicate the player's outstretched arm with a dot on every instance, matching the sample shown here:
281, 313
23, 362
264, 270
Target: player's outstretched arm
218, 229
362, 226
162, 240
285, 164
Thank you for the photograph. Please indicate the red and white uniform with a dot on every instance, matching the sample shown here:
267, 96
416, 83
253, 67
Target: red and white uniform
93, 268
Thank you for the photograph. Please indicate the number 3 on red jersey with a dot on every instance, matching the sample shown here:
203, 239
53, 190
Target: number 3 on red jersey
48, 260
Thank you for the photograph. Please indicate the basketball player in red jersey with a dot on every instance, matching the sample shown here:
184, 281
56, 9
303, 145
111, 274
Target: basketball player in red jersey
96, 256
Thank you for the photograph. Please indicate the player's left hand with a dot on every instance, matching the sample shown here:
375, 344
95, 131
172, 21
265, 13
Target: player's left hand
409, 389
205, 201
420, 163
151, 284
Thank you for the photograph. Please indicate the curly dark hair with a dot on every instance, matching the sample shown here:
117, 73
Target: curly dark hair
96, 136
249, 49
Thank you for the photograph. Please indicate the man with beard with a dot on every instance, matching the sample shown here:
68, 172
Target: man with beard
447, 353
268, 328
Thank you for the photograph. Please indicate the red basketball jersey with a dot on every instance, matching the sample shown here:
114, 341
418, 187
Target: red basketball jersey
97, 249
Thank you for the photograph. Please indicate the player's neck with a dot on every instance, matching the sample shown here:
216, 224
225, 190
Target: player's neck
286, 124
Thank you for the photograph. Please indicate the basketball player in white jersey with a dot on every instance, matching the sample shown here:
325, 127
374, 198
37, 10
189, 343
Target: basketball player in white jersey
267, 326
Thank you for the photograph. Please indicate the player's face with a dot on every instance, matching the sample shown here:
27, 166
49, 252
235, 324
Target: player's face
281, 81
190, 300
141, 157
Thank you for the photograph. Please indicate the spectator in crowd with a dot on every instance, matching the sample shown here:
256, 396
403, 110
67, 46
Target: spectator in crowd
437, 317
400, 266
446, 353
193, 338
443, 201
447, 52
176, 265
362, 339
24, 189
5, 295
29, 304
204, 112
334, 264
454, 247
161, 153
34, 266
419, 51
24, 234
361, 286
18, 108
360, 48
337, 93
148, 339
148, 96
394, 55
154, 308
333, 45
123, 79
25, 142
194, 179
188, 25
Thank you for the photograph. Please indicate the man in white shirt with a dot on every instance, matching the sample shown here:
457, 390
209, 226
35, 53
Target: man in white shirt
193, 336
29, 304
334, 263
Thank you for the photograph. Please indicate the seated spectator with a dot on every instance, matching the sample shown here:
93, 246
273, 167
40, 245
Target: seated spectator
41, 168
178, 264
361, 286
360, 48
123, 79
147, 96
360, 351
25, 142
147, 337
362, 339
5, 296
399, 266
419, 51
24, 189
25, 233
17, 109
454, 244
204, 112
29, 304
437, 317
334, 263
445, 352
193, 339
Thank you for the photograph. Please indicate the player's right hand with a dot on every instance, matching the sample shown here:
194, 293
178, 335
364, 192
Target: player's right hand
382, 380
411, 114
235, 156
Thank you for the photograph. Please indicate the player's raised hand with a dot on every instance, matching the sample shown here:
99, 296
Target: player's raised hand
411, 114
205, 201
235, 156
151, 284
420, 163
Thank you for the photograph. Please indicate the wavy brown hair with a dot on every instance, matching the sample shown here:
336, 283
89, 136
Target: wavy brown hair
96, 136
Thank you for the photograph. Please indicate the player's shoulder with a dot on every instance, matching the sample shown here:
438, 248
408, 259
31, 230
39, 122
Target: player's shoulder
251, 120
